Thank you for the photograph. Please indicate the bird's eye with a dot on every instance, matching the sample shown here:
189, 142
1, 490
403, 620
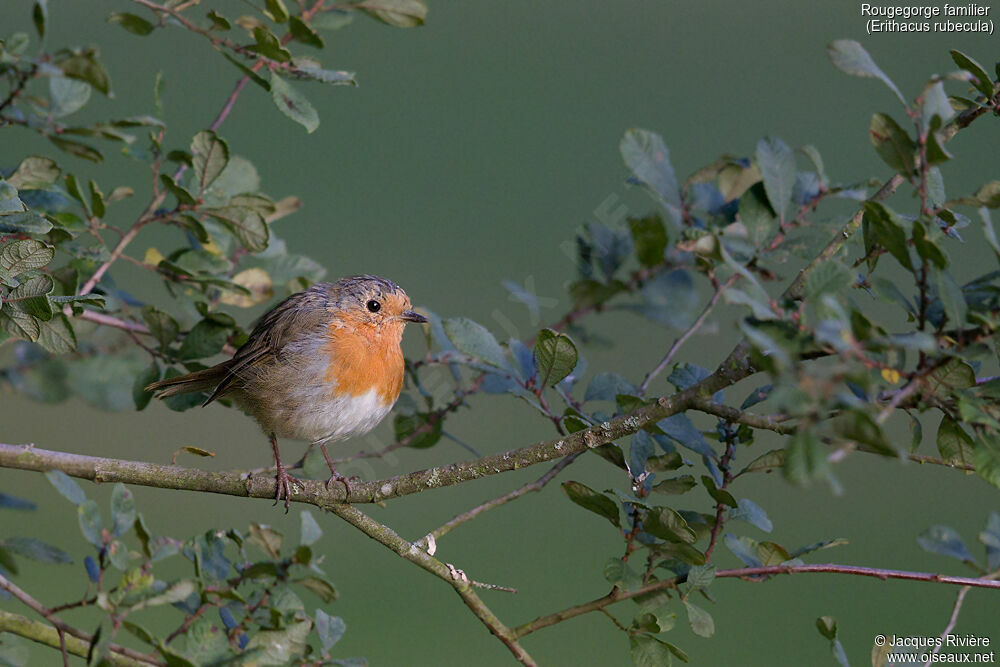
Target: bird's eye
373, 306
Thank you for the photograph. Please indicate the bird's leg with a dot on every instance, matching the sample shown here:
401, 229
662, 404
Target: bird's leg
334, 475
284, 484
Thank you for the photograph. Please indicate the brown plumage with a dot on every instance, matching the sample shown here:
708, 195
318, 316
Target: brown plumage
325, 364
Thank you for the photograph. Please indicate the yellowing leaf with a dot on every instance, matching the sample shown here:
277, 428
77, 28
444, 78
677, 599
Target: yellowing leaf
257, 281
890, 375
153, 256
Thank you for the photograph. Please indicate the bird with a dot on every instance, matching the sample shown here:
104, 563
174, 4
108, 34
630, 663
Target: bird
323, 365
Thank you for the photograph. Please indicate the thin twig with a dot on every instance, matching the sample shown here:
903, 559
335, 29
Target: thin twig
687, 334
431, 538
952, 620
752, 574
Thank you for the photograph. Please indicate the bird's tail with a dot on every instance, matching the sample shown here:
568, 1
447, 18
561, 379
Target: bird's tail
203, 380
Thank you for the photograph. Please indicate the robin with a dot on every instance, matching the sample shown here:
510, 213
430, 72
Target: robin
324, 365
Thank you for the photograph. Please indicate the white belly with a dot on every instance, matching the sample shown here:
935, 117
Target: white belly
321, 418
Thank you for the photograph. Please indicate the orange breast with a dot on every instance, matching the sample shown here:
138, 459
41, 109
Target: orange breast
362, 358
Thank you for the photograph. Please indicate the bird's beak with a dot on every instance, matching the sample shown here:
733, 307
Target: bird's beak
412, 316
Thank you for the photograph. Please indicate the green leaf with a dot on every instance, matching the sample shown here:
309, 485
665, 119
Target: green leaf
398, 13
954, 443
162, 326
209, 156
607, 386
667, 524
66, 486
219, 22
474, 340
885, 229
57, 334
134, 24
952, 298
34, 172
267, 539
621, 574
182, 195
39, 15
981, 80
718, 495
805, 458
850, 57
280, 647
67, 96
954, 374
892, 143
861, 428
309, 530
246, 225
591, 500
334, 77
700, 620
830, 277
293, 104
20, 325
770, 553
675, 485
648, 158
329, 628
90, 523
123, 510
35, 550
304, 34
926, 248
31, 297
140, 396
205, 339
987, 461
178, 592
752, 513
772, 460
85, 67
935, 104
555, 357
649, 237
321, 587
76, 149
405, 426
648, 651
944, 541
757, 215
268, 45
776, 162
96, 199
277, 10
21, 256
700, 577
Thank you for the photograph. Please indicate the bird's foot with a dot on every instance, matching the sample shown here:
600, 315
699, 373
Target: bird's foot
336, 477
284, 487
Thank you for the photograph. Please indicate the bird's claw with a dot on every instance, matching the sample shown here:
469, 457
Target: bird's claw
284, 488
346, 481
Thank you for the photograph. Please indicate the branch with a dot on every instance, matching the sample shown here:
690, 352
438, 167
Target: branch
61, 627
99, 469
429, 540
706, 405
462, 584
749, 574
47, 635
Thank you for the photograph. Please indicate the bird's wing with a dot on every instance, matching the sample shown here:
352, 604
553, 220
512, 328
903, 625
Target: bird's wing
303, 313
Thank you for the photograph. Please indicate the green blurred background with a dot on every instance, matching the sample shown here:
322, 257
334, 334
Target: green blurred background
473, 147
